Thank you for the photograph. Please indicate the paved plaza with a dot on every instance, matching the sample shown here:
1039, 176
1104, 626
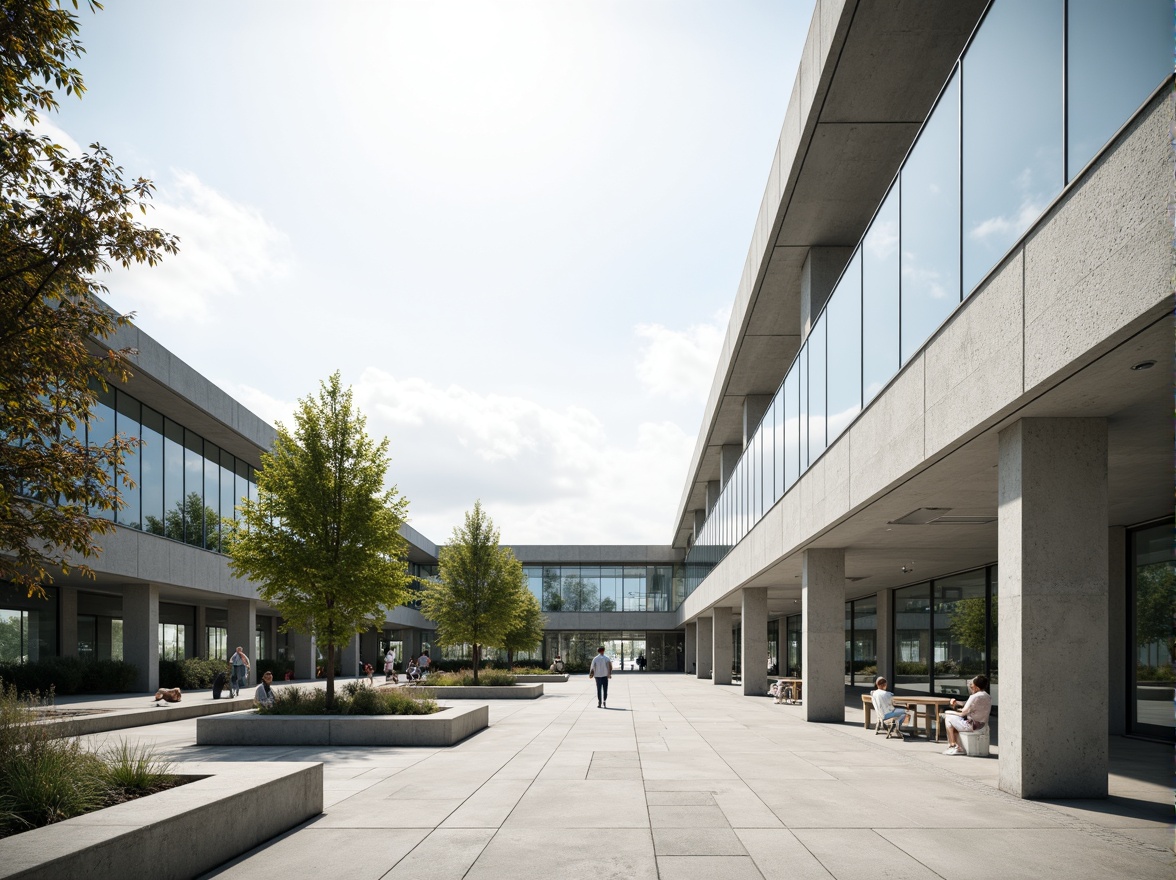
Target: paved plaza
679, 779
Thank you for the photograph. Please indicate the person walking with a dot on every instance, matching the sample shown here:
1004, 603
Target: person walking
240, 664
601, 670
390, 665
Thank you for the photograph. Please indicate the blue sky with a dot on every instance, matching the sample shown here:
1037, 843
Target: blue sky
516, 227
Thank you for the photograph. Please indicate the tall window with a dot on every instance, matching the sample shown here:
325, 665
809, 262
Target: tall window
1153, 632
171, 641
216, 638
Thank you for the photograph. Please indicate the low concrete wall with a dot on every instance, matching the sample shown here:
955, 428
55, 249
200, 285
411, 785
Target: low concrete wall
178, 833
551, 677
511, 692
120, 719
450, 725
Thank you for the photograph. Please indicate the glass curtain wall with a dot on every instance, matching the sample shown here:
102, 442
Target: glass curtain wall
792, 633
602, 587
28, 627
1152, 589
998, 147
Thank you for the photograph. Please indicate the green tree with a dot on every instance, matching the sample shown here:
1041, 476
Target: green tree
476, 598
580, 595
1155, 607
187, 522
526, 633
968, 622
322, 540
63, 220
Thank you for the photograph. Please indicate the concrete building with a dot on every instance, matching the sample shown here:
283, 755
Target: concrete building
940, 420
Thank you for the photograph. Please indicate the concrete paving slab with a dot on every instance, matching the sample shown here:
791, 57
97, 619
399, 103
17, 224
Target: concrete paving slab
865, 853
326, 854
529, 853
696, 842
687, 817
680, 798
780, 856
446, 854
707, 868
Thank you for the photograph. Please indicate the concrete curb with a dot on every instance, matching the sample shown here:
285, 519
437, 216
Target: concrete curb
552, 677
513, 692
449, 726
185, 831
122, 719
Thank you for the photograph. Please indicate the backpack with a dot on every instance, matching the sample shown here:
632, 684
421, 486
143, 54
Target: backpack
218, 685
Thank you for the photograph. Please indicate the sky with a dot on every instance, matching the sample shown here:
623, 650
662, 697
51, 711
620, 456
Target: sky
516, 228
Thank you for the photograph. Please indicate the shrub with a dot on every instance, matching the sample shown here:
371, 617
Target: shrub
910, 667
465, 678
132, 771
351, 699
70, 675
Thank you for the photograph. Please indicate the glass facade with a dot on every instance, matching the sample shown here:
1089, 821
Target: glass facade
603, 587
184, 486
28, 627
1036, 94
663, 651
861, 641
1152, 635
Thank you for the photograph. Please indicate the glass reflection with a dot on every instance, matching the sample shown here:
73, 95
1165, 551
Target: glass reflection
817, 346
127, 418
930, 225
961, 631
802, 363
844, 316
791, 389
912, 639
879, 254
1012, 128
99, 432
151, 470
1116, 55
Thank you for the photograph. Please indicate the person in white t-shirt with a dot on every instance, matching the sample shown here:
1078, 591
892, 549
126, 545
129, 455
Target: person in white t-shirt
886, 704
601, 670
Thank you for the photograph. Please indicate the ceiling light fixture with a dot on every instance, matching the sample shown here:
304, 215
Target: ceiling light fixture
1143, 365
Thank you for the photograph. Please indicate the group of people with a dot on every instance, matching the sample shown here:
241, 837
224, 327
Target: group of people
414, 670
964, 717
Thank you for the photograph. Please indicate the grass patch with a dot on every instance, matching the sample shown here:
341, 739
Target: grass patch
46, 779
465, 678
353, 698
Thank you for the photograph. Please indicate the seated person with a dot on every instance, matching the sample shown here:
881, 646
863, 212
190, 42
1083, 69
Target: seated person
972, 715
167, 695
889, 711
558, 665
413, 673
264, 695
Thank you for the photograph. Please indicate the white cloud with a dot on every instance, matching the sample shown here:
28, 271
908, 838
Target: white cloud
547, 475
680, 364
226, 248
47, 128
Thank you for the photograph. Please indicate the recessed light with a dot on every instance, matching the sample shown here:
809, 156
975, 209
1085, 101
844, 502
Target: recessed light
1143, 365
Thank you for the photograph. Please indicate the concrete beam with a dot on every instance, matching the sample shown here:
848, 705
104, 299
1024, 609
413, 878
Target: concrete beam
822, 268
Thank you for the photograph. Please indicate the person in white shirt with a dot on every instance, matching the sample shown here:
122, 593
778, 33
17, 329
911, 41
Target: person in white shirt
390, 665
888, 708
972, 715
601, 670
264, 695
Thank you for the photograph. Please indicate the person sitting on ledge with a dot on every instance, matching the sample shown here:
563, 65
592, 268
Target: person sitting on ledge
558, 665
264, 695
972, 715
167, 695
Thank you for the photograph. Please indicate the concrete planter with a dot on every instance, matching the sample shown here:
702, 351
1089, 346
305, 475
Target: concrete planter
550, 677
450, 725
182, 832
482, 692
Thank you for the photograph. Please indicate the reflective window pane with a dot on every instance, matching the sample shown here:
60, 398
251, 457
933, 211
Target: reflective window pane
930, 227
1012, 128
129, 413
100, 431
193, 489
212, 534
173, 480
792, 425
817, 346
879, 254
844, 316
1116, 55
152, 471
912, 639
961, 631
778, 445
802, 362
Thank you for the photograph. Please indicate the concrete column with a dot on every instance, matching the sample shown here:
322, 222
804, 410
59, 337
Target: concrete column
1117, 651
885, 635
724, 650
140, 610
822, 637
705, 646
713, 489
691, 657
270, 625
699, 522
202, 632
822, 267
349, 664
1053, 600
754, 407
754, 650
728, 457
304, 655
369, 649
67, 611
243, 627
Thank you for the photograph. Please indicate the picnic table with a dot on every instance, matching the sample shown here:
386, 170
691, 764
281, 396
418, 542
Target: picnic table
796, 684
930, 709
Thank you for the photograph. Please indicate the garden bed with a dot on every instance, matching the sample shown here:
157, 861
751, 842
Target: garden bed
481, 692
444, 728
181, 832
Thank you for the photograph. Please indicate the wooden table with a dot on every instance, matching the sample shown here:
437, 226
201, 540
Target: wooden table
931, 713
797, 684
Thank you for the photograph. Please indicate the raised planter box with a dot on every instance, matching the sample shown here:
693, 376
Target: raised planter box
481, 692
450, 725
182, 832
533, 679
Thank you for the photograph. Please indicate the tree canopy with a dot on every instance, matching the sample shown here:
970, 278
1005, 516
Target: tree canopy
322, 541
63, 220
526, 633
478, 595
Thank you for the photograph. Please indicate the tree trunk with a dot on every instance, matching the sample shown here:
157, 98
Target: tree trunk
330, 677
477, 660
510, 661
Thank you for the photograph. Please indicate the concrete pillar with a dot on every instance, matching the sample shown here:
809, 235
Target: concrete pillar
202, 632
1053, 600
349, 662
822, 267
699, 522
705, 646
713, 490
754, 407
67, 614
754, 650
369, 649
304, 655
724, 650
269, 623
728, 457
885, 637
822, 637
243, 628
1117, 650
691, 657
140, 610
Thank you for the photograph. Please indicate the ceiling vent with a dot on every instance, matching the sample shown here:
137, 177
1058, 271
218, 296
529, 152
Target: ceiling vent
962, 520
920, 517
